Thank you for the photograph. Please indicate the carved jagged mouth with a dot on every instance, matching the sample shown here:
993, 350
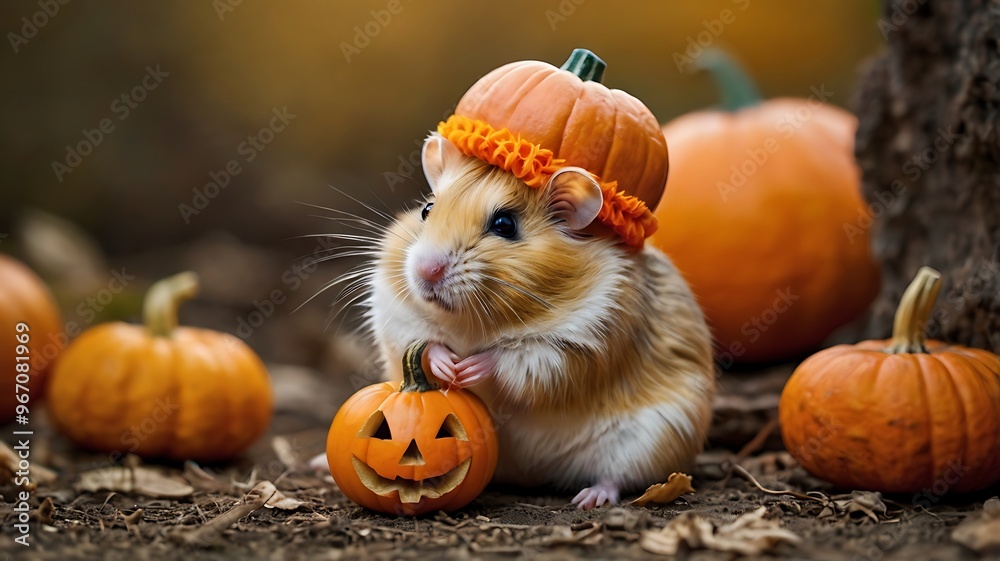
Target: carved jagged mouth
411, 491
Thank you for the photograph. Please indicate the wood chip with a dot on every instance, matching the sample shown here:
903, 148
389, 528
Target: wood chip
663, 493
132, 522
45, 511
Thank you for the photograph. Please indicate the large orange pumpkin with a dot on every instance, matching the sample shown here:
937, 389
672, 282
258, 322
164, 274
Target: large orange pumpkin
30, 338
158, 390
412, 448
763, 216
569, 112
899, 415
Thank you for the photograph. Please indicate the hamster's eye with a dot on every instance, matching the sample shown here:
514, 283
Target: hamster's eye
426, 211
504, 224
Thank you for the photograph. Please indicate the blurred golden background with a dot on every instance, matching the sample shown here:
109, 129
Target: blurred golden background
296, 97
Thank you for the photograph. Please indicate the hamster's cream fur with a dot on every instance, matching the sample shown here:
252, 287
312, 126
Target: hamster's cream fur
600, 364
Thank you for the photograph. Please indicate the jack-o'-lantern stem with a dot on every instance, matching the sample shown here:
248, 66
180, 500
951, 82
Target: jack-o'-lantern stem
159, 310
414, 377
585, 65
735, 87
908, 330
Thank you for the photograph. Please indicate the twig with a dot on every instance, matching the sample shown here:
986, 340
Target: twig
746, 475
757, 442
204, 536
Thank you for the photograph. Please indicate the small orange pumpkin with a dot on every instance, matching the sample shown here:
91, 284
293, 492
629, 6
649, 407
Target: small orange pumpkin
898, 415
412, 448
568, 112
161, 391
30, 337
761, 217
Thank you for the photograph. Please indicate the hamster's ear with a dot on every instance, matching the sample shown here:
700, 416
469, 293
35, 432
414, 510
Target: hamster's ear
575, 197
436, 156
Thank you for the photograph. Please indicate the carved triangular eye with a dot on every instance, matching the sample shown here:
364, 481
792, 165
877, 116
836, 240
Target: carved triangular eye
376, 427
443, 432
383, 432
452, 428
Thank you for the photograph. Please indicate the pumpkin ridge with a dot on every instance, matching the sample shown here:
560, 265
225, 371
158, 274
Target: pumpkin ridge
81, 423
232, 379
952, 375
990, 377
918, 361
565, 126
867, 444
530, 83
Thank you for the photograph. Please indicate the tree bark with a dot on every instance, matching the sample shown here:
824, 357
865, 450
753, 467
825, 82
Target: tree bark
928, 144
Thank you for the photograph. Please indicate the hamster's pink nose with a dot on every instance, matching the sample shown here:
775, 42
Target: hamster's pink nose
432, 269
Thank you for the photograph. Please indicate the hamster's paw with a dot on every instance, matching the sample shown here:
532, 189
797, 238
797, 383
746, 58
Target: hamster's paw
475, 369
443, 363
593, 497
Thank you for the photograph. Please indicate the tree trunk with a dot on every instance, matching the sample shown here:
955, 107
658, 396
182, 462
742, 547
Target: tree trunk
928, 145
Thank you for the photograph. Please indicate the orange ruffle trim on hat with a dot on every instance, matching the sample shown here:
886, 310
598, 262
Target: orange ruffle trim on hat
626, 215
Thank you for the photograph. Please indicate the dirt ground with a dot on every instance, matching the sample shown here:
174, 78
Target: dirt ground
502, 523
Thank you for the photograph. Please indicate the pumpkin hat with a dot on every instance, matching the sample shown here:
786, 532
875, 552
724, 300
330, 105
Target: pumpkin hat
532, 119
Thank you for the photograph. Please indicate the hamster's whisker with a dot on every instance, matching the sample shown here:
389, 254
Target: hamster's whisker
498, 296
358, 253
364, 270
386, 215
523, 291
480, 309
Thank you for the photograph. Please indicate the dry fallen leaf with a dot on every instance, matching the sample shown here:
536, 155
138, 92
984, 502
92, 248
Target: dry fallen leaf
277, 498
141, 480
981, 533
663, 493
749, 534
867, 502
204, 481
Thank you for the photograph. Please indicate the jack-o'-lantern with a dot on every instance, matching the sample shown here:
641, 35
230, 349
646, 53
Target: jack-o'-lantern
412, 448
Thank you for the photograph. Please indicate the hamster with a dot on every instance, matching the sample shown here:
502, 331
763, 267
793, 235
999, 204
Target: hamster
594, 358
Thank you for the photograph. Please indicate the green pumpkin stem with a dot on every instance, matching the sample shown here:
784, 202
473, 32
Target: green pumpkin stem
585, 65
908, 331
159, 310
414, 378
735, 86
